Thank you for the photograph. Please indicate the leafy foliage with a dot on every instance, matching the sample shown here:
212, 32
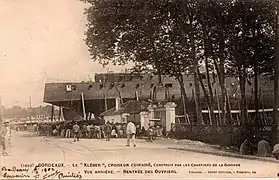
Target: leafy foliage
172, 36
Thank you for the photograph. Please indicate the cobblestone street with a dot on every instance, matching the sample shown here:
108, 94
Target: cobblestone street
96, 158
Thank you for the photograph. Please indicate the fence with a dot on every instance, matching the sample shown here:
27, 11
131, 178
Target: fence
224, 134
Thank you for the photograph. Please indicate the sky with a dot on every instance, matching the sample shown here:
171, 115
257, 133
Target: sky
42, 41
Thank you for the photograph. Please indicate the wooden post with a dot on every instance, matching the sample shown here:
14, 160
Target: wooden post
83, 106
52, 112
59, 115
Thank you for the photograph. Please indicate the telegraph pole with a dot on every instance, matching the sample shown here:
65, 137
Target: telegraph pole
30, 102
30, 107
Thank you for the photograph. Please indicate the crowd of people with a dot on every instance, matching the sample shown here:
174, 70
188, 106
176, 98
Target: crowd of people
89, 130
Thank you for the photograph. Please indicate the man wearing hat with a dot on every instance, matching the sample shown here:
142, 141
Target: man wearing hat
275, 151
8, 134
131, 133
264, 147
3, 132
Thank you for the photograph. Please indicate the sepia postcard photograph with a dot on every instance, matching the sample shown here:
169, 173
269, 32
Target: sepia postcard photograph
139, 89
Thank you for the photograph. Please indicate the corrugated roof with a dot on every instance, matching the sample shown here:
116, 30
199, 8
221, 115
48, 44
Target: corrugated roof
132, 107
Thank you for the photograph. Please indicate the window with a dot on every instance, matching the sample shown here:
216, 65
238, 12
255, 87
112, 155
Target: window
74, 87
68, 88
169, 85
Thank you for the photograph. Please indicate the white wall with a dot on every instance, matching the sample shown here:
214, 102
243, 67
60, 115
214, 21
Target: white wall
113, 118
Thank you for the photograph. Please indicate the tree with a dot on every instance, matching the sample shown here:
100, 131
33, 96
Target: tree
217, 14
149, 33
250, 48
275, 137
170, 37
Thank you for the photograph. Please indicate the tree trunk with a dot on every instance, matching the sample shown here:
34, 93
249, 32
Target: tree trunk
230, 122
211, 109
243, 106
182, 87
211, 100
159, 78
242, 67
197, 98
256, 96
196, 80
221, 76
222, 85
256, 86
184, 95
275, 132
